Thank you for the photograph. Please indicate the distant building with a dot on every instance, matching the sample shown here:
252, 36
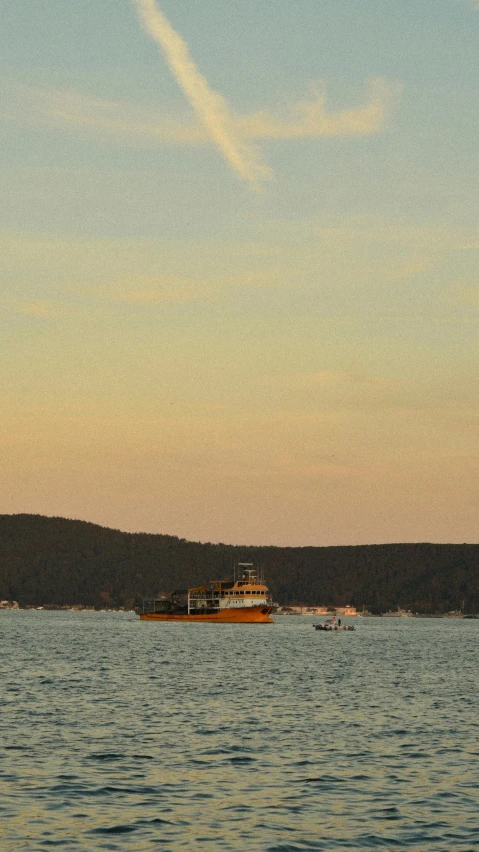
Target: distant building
302, 610
317, 610
346, 610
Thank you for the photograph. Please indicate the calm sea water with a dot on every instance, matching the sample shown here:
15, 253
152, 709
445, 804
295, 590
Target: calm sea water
127, 735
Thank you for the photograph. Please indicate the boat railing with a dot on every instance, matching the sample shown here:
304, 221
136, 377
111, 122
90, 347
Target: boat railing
204, 596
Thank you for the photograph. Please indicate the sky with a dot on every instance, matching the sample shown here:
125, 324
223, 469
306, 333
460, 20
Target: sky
239, 267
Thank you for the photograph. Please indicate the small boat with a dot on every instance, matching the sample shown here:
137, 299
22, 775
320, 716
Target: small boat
331, 624
243, 600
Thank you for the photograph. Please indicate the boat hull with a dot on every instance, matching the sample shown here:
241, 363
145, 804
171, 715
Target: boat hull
241, 615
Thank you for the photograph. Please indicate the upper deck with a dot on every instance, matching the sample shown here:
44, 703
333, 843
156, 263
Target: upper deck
248, 589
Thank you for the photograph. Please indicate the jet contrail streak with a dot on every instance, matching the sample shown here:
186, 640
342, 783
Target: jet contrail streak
210, 106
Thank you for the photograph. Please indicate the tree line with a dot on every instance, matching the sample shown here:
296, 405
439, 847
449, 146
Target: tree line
56, 561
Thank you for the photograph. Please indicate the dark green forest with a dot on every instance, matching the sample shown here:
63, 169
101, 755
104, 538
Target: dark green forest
55, 561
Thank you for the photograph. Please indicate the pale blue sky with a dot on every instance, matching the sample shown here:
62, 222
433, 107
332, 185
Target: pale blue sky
226, 346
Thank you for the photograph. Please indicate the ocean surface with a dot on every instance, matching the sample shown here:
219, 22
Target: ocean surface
118, 734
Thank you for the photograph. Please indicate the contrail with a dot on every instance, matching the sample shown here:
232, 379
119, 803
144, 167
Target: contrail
210, 106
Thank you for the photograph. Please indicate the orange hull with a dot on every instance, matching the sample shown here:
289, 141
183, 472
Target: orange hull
242, 615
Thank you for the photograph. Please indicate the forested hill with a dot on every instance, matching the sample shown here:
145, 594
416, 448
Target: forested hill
57, 561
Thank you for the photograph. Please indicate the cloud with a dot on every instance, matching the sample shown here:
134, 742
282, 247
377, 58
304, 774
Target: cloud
312, 119
159, 290
169, 290
339, 377
210, 106
126, 123
43, 310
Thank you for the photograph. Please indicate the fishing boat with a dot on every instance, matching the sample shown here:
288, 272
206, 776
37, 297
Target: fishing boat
332, 624
243, 600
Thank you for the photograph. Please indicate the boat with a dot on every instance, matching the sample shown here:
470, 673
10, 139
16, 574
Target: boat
398, 613
243, 600
332, 624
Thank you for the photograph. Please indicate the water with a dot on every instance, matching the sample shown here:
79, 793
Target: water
128, 735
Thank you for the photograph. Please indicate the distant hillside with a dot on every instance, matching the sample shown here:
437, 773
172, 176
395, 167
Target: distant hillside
58, 561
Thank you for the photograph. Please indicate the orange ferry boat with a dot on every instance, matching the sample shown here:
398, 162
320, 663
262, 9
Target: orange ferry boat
243, 600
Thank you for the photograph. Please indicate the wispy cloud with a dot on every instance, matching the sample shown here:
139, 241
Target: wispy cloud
171, 290
41, 309
160, 290
126, 123
339, 377
122, 121
311, 118
210, 106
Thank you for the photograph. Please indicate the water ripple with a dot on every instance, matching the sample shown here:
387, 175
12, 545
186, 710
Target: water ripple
189, 737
